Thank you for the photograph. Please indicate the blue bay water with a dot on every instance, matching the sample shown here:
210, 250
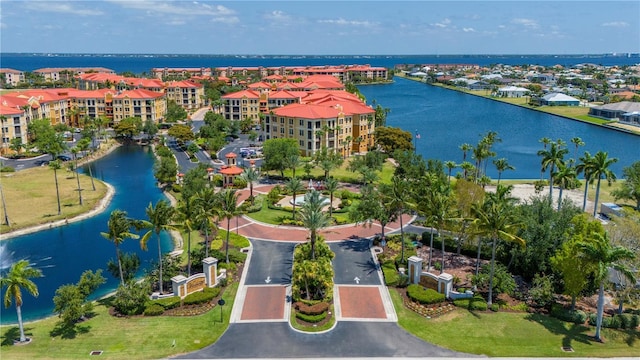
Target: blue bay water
64, 253
445, 119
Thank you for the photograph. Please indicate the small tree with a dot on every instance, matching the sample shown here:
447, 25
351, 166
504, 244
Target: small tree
18, 278
70, 301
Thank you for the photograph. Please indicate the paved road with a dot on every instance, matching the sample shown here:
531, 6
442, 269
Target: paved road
270, 259
353, 259
347, 339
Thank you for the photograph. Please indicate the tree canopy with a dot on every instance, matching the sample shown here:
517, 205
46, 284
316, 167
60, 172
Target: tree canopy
391, 139
276, 152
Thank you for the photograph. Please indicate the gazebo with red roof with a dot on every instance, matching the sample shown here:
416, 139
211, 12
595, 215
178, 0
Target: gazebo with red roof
231, 170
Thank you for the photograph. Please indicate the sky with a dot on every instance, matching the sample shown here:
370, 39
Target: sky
320, 27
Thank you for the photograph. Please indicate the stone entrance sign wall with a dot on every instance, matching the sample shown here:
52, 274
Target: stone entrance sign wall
183, 286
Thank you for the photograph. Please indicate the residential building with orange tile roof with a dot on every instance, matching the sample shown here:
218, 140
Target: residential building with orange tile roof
65, 74
163, 73
13, 122
93, 81
145, 104
11, 76
188, 94
241, 105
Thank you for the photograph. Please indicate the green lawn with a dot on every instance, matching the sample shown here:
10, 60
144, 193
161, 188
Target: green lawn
504, 334
121, 338
273, 217
342, 174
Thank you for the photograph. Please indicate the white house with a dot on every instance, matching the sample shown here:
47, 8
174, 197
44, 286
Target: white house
512, 92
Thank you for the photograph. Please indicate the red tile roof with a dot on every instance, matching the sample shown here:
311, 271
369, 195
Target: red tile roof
242, 94
307, 111
139, 94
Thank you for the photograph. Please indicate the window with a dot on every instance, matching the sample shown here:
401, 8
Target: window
301, 122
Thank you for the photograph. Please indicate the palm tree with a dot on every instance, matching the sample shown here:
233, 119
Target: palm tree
552, 158
347, 145
292, 161
502, 165
577, 142
313, 217
465, 148
331, 185
496, 220
186, 215
294, 185
467, 168
205, 207
55, 165
84, 146
604, 256
565, 178
160, 218
228, 200
545, 141
440, 203
585, 167
250, 175
399, 199
119, 229
450, 165
74, 151
600, 169
18, 278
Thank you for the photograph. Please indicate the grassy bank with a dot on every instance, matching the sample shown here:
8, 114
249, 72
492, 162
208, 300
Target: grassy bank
30, 196
504, 334
120, 338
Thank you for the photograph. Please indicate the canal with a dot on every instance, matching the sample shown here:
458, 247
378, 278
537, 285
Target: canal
445, 119
64, 253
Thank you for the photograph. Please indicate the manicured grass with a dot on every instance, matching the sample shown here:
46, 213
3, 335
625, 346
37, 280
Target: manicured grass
30, 196
272, 216
342, 173
197, 242
514, 334
121, 338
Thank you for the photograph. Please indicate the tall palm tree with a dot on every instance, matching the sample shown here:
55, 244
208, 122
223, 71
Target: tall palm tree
250, 175
206, 207
565, 178
186, 216
18, 278
84, 146
467, 168
545, 141
586, 167
496, 220
600, 169
331, 185
399, 198
605, 256
74, 150
551, 159
502, 165
292, 161
465, 149
228, 200
577, 142
119, 229
450, 165
160, 218
313, 217
294, 185
55, 165
440, 204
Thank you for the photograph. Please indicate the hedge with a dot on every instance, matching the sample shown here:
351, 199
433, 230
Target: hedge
475, 303
315, 309
419, 294
617, 321
153, 310
167, 303
576, 317
311, 318
391, 276
198, 298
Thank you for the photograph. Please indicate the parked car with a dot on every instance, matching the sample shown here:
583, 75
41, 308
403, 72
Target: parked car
41, 163
63, 157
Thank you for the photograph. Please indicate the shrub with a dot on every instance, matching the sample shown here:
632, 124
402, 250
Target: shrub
495, 307
167, 303
198, 298
130, 299
391, 276
617, 321
153, 310
215, 291
311, 318
176, 188
7, 169
475, 303
419, 294
542, 291
629, 321
163, 151
576, 317
315, 309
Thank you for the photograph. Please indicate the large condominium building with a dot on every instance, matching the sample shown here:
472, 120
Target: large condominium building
12, 77
65, 74
241, 105
162, 73
145, 104
188, 94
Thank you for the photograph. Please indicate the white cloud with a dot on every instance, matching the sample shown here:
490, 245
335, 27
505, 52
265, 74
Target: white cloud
277, 15
468, 29
619, 24
175, 7
345, 22
176, 22
61, 7
529, 23
442, 24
